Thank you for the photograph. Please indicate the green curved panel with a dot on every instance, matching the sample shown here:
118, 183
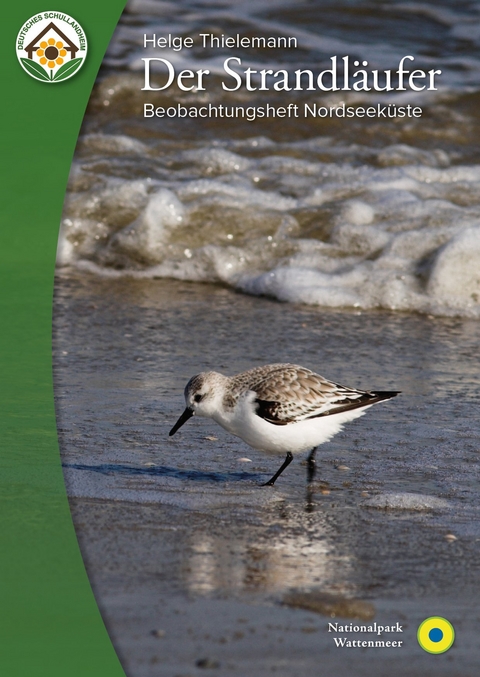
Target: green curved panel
50, 624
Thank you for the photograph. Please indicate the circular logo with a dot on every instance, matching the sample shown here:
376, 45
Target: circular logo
51, 46
436, 634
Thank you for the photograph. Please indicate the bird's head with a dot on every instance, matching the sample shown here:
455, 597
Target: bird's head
203, 396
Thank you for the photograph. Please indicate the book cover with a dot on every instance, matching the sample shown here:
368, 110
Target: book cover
289, 183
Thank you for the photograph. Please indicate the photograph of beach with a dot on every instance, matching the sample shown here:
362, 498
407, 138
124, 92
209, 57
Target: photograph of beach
263, 183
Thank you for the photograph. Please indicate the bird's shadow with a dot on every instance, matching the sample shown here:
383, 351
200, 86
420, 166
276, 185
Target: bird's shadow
165, 471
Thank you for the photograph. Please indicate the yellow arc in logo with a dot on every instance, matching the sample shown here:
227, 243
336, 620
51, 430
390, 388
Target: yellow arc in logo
436, 634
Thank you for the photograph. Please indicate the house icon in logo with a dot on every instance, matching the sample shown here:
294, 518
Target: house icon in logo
69, 46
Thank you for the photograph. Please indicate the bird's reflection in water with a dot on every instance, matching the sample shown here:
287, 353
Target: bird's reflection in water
287, 550
311, 490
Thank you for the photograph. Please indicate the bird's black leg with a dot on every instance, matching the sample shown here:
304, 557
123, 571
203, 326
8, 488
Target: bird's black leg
287, 461
311, 465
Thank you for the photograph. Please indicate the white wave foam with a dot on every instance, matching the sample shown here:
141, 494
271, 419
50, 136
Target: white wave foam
111, 143
217, 160
455, 276
341, 235
144, 239
339, 221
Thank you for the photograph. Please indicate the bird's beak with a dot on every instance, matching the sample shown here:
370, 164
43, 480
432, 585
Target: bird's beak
188, 413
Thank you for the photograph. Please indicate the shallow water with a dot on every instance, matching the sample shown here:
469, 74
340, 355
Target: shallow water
362, 212
180, 525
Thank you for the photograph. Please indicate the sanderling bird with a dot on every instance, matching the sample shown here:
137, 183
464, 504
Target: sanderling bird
278, 408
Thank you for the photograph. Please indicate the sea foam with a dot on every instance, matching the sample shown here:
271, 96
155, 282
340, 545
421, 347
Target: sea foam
305, 232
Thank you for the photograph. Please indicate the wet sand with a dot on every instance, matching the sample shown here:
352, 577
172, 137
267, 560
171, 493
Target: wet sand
190, 559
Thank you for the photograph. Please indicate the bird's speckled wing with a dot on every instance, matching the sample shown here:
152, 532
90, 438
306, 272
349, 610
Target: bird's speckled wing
287, 393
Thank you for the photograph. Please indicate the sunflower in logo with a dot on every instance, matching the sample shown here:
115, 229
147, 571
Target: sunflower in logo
51, 53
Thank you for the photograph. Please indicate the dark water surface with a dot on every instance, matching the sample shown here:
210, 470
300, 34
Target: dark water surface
179, 537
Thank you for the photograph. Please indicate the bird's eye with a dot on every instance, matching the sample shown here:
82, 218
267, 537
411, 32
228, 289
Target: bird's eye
198, 398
